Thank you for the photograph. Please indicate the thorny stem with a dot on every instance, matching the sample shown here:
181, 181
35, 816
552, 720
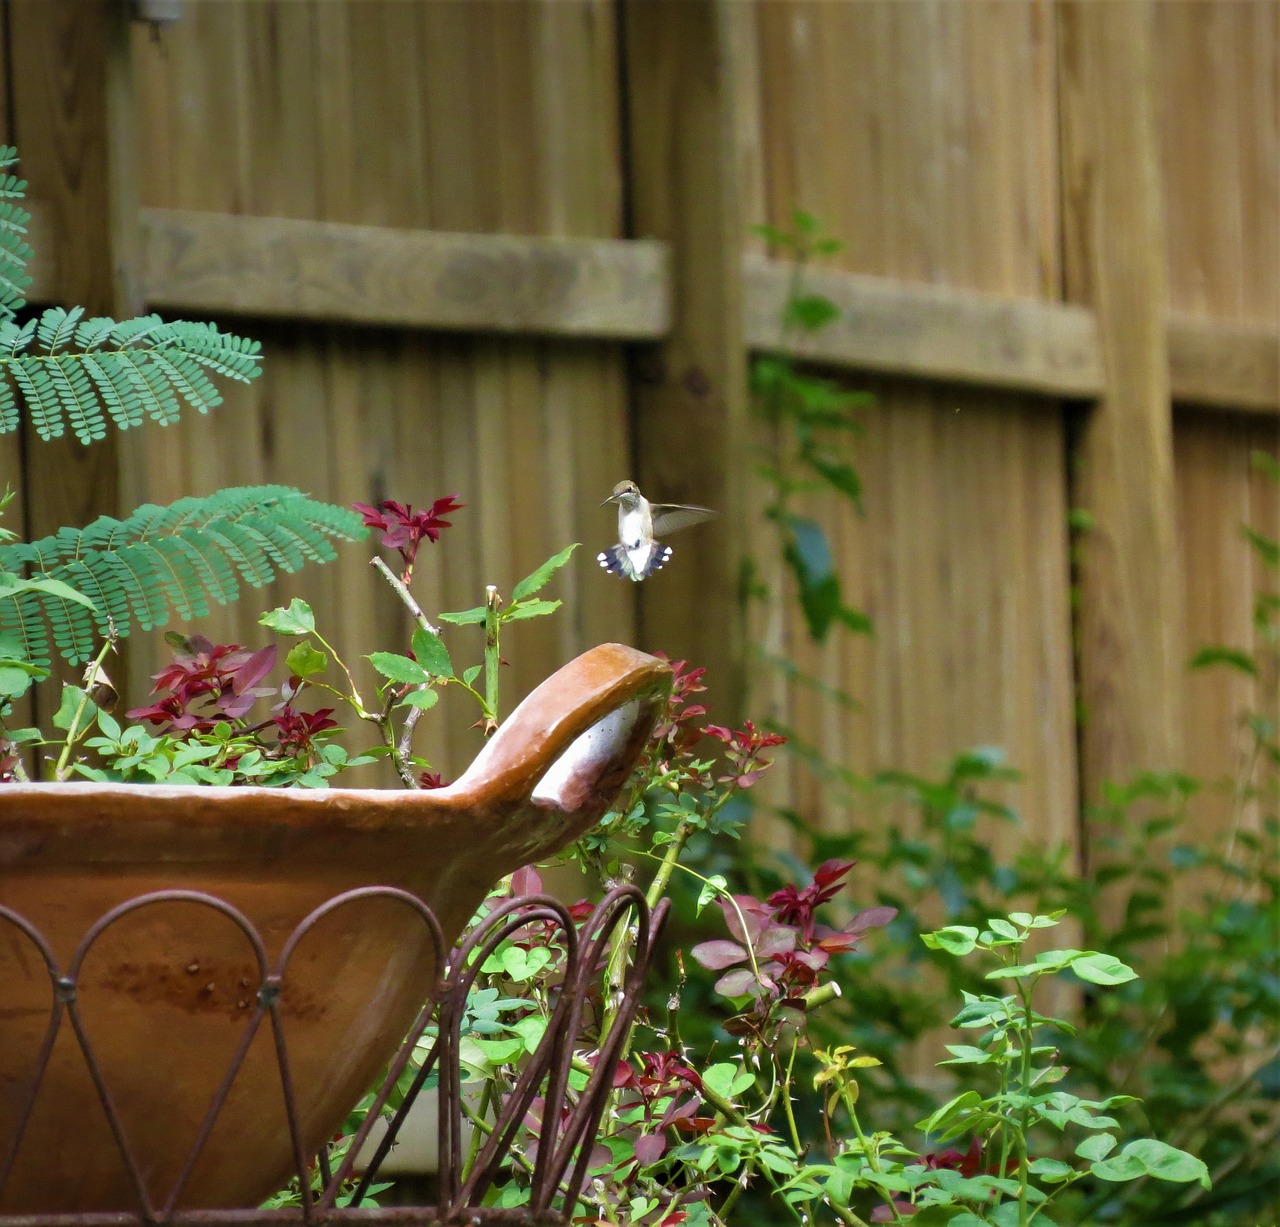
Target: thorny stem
404, 594
402, 751
738, 1186
354, 697
492, 659
618, 954
1024, 1085
786, 1100
61, 769
869, 1151
662, 879
477, 1136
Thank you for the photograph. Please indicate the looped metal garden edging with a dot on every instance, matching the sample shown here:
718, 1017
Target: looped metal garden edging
568, 1118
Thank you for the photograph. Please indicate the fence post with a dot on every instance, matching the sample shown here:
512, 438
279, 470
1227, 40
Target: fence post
689, 394
1131, 599
71, 122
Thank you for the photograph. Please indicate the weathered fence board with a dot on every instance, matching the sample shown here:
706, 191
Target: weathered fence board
379, 189
1218, 79
445, 117
221, 264
878, 120
1131, 598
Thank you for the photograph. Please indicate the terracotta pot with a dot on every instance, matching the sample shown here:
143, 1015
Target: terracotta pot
166, 990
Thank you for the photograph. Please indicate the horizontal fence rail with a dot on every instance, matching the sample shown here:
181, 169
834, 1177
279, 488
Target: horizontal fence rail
621, 289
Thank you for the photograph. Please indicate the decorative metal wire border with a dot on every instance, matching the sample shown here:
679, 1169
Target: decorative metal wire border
568, 1127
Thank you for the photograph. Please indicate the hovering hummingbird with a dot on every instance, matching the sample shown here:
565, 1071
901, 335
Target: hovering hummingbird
637, 554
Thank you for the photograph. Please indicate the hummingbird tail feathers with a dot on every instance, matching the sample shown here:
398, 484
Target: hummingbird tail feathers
623, 563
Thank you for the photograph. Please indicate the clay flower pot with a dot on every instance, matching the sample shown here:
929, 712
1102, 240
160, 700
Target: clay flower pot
164, 991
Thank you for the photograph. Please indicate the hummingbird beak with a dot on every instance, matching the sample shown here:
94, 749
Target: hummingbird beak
613, 498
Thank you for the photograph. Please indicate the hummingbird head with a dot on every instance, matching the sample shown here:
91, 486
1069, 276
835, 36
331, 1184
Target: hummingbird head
625, 492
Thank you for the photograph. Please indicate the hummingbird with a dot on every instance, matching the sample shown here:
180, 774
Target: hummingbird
637, 554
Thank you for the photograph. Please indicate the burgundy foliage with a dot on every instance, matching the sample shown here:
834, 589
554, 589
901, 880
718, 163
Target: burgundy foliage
207, 683
790, 948
404, 529
743, 750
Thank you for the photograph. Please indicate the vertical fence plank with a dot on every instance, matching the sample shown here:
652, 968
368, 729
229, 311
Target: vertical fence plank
71, 122
1131, 612
484, 116
1218, 81
689, 397
923, 135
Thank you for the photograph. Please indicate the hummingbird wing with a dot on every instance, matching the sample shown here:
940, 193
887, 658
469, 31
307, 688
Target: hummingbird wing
670, 517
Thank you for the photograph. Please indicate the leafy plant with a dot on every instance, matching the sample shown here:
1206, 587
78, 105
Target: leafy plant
204, 724
808, 420
999, 1179
159, 563
76, 587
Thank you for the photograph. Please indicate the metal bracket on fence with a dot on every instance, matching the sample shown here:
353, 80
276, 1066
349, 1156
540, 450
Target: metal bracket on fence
554, 1154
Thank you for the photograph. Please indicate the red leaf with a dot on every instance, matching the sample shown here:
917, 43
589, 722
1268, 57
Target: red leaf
526, 881
736, 983
650, 1147
718, 954
777, 939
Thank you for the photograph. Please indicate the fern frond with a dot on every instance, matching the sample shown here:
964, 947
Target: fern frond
22, 620
133, 368
162, 562
14, 252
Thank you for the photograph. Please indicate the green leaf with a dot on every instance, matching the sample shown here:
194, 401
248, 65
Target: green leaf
1096, 1146
304, 660
399, 668
537, 580
942, 1216
953, 1113
1052, 1171
425, 698
1267, 547
1149, 1157
52, 587
715, 886
844, 477
1102, 969
810, 312
469, 675
297, 619
528, 609
500, 1051
432, 655
1003, 928
1234, 657
955, 939
465, 617
523, 965
727, 1079
17, 677
530, 1029
967, 1054
809, 556
72, 698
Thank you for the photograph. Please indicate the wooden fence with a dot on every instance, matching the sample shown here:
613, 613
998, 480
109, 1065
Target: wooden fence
503, 249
